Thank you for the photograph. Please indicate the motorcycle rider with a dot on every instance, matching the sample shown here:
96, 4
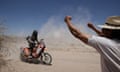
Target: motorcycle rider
32, 41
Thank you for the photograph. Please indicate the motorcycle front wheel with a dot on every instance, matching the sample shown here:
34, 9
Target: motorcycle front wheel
46, 58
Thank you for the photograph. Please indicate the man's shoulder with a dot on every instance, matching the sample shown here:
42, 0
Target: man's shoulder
101, 40
101, 43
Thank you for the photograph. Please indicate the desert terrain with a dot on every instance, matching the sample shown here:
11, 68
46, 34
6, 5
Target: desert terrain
67, 57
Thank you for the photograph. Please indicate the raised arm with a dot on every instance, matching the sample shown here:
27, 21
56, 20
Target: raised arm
75, 32
90, 25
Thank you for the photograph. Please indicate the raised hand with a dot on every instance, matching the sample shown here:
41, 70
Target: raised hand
90, 25
67, 18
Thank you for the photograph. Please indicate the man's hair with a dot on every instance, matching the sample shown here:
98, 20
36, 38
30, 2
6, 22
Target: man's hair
116, 34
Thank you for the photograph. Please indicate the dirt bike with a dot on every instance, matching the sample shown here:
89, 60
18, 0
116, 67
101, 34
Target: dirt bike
43, 56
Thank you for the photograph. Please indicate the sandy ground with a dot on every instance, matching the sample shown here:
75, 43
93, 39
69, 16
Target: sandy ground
64, 60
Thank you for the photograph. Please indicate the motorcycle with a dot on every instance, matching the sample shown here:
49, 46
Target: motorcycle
42, 55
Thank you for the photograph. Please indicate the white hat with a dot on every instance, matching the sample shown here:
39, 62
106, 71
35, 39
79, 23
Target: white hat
112, 22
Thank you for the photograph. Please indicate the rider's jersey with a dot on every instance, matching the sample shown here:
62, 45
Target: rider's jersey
31, 43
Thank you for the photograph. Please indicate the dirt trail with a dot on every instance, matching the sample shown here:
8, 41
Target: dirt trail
64, 59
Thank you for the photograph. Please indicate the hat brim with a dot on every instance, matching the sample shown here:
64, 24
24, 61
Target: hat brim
108, 27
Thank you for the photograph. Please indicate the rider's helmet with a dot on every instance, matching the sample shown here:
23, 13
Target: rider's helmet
34, 35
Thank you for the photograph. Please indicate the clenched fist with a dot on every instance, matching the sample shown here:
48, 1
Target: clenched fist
67, 18
90, 25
